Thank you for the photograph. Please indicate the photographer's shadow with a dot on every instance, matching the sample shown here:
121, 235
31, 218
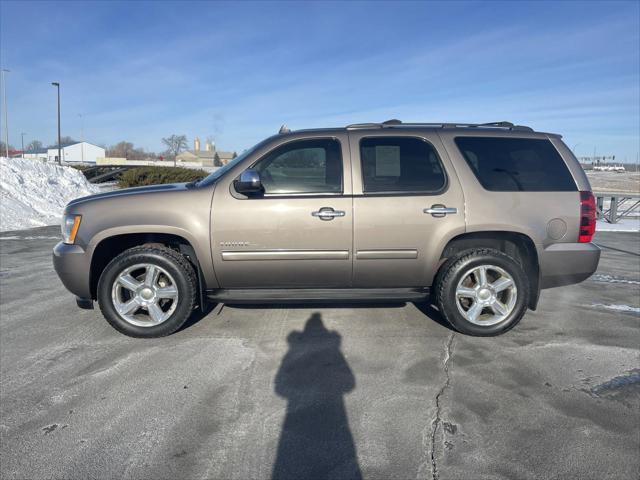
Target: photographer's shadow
315, 442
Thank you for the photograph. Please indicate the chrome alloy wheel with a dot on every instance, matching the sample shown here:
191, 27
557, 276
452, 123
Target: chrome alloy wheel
144, 295
486, 295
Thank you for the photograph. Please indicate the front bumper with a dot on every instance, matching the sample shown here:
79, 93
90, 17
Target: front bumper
567, 263
72, 264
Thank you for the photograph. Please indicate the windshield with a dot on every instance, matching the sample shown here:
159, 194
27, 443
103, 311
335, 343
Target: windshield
215, 175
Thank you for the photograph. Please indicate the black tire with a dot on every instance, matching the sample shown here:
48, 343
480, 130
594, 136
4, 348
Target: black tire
451, 273
175, 264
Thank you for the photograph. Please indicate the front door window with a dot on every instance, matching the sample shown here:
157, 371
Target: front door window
302, 167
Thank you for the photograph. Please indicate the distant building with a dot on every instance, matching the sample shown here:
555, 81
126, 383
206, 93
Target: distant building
37, 154
79, 152
209, 157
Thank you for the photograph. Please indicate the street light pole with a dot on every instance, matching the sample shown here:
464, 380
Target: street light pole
22, 135
57, 84
6, 120
81, 136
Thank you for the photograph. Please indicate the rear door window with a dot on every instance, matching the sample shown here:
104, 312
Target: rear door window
400, 165
516, 164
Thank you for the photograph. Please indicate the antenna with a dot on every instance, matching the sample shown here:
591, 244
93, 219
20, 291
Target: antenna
284, 129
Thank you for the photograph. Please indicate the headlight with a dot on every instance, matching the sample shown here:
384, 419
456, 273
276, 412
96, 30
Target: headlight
70, 225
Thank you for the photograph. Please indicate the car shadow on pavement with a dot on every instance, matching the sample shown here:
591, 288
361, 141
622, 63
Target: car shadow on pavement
426, 308
198, 314
319, 305
433, 314
315, 441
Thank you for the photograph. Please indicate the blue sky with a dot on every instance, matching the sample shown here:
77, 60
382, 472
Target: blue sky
140, 71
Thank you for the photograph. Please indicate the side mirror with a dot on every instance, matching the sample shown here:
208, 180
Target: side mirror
248, 183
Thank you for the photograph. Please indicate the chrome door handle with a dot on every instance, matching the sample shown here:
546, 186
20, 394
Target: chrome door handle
328, 213
440, 210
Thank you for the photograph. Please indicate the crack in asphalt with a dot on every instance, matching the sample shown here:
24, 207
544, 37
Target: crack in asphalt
435, 423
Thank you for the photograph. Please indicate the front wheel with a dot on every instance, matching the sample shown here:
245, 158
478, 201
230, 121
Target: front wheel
482, 292
147, 291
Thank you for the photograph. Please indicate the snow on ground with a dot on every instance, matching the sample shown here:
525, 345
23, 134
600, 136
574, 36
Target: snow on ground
614, 182
622, 225
602, 277
34, 193
617, 308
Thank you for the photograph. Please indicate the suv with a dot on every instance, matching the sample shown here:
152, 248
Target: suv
477, 218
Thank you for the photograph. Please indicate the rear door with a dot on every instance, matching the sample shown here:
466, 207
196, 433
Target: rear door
299, 232
407, 204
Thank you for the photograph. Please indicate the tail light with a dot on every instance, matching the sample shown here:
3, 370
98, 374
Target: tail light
587, 217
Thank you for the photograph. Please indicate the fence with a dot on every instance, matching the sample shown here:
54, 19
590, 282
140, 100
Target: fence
612, 206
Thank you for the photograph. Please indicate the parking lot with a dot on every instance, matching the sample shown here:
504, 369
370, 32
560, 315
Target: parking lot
320, 392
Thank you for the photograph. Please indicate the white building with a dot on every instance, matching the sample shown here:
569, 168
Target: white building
38, 154
81, 152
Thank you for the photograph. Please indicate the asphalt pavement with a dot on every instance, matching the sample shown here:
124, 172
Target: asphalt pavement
375, 392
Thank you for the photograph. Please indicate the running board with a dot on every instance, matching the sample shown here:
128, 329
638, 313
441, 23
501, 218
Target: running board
316, 295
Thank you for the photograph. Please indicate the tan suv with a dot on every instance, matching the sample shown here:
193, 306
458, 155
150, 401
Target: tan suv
477, 218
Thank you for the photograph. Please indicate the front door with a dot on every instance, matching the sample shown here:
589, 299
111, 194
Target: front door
298, 233
407, 204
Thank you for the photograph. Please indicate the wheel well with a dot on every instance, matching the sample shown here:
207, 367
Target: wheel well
110, 247
516, 245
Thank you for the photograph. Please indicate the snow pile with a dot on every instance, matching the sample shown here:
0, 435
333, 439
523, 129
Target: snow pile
34, 193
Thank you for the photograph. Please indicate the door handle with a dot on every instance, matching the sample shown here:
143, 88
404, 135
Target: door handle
439, 211
328, 213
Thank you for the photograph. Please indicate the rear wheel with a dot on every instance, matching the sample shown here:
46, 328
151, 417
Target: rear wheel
482, 292
147, 291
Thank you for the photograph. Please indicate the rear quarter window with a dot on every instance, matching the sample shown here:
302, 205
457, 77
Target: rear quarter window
516, 164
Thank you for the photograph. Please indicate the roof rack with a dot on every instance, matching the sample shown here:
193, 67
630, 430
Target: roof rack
394, 123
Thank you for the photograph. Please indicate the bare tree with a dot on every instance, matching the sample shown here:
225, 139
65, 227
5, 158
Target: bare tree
34, 145
175, 144
120, 149
3, 148
129, 151
66, 140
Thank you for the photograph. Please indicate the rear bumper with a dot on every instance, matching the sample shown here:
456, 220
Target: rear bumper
72, 266
567, 263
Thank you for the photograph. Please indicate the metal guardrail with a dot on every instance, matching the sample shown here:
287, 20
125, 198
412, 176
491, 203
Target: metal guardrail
612, 206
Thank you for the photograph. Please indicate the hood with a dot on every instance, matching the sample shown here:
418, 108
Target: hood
135, 191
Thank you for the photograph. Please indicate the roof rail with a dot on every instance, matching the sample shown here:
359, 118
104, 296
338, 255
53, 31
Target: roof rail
393, 123
357, 126
502, 124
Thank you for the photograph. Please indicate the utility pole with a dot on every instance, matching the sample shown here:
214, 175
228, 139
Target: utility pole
81, 136
22, 135
57, 84
6, 117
